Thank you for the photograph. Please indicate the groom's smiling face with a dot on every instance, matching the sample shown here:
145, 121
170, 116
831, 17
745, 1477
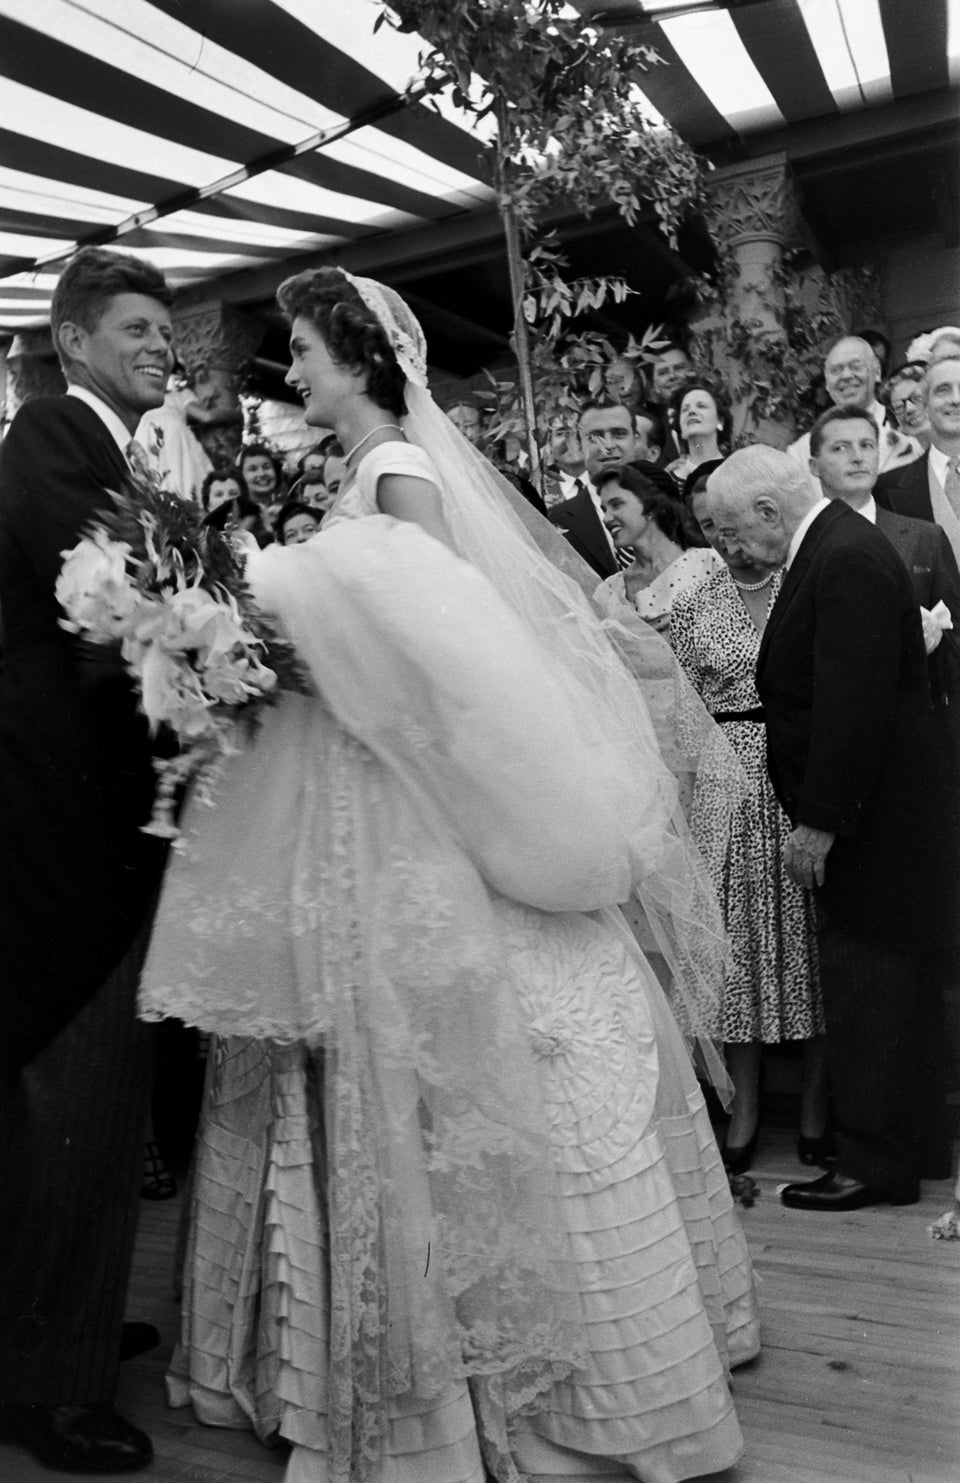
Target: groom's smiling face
125, 357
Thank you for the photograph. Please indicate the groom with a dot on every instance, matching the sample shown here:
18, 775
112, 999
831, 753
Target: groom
77, 879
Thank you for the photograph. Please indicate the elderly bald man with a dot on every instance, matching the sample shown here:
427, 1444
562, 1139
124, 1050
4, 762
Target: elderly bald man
851, 373
855, 759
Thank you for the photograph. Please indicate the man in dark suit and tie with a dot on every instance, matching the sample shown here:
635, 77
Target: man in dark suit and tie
857, 762
844, 449
672, 368
77, 881
929, 488
851, 374
608, 435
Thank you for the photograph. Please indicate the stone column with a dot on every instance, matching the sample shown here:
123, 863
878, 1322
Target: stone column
753, 215
216, 343
32, 370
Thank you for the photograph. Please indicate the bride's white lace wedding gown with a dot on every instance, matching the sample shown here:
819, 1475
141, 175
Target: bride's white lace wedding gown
455, 1180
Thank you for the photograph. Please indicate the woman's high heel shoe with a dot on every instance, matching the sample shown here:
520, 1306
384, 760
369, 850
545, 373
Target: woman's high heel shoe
737, 1160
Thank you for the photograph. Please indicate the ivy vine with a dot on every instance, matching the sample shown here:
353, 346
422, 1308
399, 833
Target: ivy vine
772, 368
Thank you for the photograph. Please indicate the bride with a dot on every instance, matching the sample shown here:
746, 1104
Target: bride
457, 1204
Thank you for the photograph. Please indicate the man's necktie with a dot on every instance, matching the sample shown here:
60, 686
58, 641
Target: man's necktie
951, 484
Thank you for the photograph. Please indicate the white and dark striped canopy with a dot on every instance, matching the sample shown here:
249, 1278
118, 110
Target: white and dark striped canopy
218, 136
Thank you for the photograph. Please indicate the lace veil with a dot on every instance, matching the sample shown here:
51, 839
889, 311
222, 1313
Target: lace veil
630, 683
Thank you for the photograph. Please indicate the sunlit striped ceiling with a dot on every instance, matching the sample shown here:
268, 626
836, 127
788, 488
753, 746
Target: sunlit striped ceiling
220, 135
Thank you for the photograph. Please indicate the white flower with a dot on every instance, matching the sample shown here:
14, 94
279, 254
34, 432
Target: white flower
95, 590
171, 691
233, 680
191, 652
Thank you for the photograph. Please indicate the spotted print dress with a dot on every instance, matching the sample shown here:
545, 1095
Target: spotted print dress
772, 990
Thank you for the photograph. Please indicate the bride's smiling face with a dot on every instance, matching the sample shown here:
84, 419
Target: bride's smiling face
317, 377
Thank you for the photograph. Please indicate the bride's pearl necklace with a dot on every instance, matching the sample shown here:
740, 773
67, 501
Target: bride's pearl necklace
380, 427
753, 586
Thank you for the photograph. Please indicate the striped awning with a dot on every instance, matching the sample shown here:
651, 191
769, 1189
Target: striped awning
257, 131
760, 66
219, 136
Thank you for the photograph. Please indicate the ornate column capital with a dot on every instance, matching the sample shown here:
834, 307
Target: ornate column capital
215, 342
32, 369
753, 202
215, 337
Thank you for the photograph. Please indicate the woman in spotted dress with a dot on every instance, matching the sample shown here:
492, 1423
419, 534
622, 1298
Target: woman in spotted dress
771, 991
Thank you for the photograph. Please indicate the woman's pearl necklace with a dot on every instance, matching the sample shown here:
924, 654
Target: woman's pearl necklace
753, 586
380, 427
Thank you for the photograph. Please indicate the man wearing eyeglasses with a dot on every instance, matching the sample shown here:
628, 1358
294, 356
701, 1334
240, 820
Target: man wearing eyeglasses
851, 373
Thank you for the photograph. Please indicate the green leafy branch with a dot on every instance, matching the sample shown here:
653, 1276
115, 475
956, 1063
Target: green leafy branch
570, 127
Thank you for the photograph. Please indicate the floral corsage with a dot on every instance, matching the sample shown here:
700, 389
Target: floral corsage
153, 580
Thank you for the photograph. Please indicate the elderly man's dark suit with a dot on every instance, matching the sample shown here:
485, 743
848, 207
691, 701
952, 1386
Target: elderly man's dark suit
853, 749
77, 877
583, 528
928, 557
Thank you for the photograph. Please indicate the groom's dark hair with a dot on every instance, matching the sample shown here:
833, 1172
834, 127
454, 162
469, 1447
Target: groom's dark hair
351, 332
93, 277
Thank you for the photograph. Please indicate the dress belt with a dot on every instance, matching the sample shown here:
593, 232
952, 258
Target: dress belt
756, 714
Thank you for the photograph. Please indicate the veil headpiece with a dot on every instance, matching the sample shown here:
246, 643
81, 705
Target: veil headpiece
630, 680
399, 323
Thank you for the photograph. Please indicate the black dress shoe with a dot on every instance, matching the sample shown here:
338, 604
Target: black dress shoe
738, 1159
816, 1152
138, 1338
835, 1191
77, 1439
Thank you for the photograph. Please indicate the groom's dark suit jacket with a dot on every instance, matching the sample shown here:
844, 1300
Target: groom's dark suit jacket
853, 747
76, 777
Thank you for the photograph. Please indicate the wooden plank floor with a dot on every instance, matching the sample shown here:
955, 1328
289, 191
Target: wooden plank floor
858, 1381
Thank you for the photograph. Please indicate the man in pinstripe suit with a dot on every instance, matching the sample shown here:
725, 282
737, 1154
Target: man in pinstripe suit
77, 879
857, 762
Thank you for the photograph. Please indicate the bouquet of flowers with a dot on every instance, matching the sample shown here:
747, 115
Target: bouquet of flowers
151, 579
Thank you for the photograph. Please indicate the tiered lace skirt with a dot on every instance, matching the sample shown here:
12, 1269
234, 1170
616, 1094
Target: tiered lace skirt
666, 1289
359, 1278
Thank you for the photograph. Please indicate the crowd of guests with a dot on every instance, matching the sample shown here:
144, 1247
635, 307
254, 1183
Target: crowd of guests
628, 483
274, 503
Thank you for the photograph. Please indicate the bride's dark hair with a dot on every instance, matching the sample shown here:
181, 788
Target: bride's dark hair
351, 332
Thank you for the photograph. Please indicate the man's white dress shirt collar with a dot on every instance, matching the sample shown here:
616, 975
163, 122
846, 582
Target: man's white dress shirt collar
878, 412
120, 434
939, 463
802, 529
